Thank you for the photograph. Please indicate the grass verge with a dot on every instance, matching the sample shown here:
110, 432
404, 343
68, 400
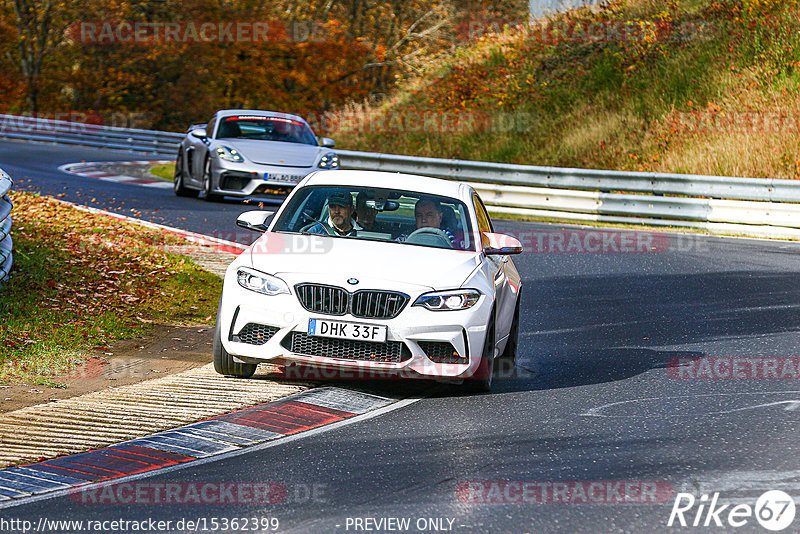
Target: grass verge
684, 86
164, 171
82, 280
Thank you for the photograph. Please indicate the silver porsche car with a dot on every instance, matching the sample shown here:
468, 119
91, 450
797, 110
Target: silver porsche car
245, 152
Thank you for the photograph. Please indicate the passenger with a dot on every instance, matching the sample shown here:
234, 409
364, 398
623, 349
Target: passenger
366, 215
340, 217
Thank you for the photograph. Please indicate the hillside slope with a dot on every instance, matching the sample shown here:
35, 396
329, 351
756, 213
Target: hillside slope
687, 86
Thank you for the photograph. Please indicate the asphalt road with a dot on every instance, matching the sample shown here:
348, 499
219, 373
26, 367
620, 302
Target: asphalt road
597, 396
34, 167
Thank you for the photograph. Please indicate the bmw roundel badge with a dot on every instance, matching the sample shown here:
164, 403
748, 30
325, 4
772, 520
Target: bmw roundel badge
352, 281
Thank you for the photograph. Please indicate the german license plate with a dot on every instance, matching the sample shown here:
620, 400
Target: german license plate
280, 177
342, 330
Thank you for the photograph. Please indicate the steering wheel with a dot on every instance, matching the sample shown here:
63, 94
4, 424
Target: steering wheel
311, 224
429, 236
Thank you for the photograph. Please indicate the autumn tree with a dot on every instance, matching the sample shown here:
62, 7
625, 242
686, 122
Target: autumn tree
320, 54
40, 25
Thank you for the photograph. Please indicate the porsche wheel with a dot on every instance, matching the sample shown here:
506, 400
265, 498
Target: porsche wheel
207, 186
178, 181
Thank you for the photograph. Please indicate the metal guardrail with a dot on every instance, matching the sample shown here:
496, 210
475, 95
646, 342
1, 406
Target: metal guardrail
746, 206
74, 133
771, 190
6, 245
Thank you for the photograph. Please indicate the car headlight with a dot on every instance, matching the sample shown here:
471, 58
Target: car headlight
458, 299
229, 154
329, 161
261, 282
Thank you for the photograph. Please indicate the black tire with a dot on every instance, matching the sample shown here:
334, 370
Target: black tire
207, 194
510, 352
223, 362
178, 181
481, 381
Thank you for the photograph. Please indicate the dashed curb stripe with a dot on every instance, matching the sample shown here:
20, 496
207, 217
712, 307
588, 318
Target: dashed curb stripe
217, 435
94, 169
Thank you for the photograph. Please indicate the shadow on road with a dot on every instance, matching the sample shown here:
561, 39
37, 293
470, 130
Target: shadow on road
604, 328
586, 367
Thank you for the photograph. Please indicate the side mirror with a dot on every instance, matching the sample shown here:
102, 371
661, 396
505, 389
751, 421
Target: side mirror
199, 133
500, 244
327, 142
254, 220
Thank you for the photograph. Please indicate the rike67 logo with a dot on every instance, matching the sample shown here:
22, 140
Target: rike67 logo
774, 510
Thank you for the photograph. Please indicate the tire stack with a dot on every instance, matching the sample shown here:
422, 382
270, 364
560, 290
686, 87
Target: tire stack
6, 256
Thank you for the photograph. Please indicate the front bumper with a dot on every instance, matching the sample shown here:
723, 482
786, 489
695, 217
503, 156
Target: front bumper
247, 179
282, 318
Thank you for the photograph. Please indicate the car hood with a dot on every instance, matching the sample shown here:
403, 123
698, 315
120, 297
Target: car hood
376, 265
275, 152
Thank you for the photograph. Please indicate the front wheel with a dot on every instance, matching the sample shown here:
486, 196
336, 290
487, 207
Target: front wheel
481, 381
223, 362
207, 185
178, 181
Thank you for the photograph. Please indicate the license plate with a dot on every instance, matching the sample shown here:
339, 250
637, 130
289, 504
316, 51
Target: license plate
286, 178
342, 330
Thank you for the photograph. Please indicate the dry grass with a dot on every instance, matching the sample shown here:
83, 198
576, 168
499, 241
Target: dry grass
671, 105
81, 281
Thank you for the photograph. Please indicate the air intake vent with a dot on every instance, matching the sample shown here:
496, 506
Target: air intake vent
255, 334
441, 352
346, 349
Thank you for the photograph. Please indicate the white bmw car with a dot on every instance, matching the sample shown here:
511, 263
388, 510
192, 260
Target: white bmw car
373, 274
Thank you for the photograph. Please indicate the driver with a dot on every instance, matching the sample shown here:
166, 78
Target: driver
429, 214
340, 217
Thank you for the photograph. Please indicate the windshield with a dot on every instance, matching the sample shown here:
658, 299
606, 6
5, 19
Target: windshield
266, 129
377, 214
